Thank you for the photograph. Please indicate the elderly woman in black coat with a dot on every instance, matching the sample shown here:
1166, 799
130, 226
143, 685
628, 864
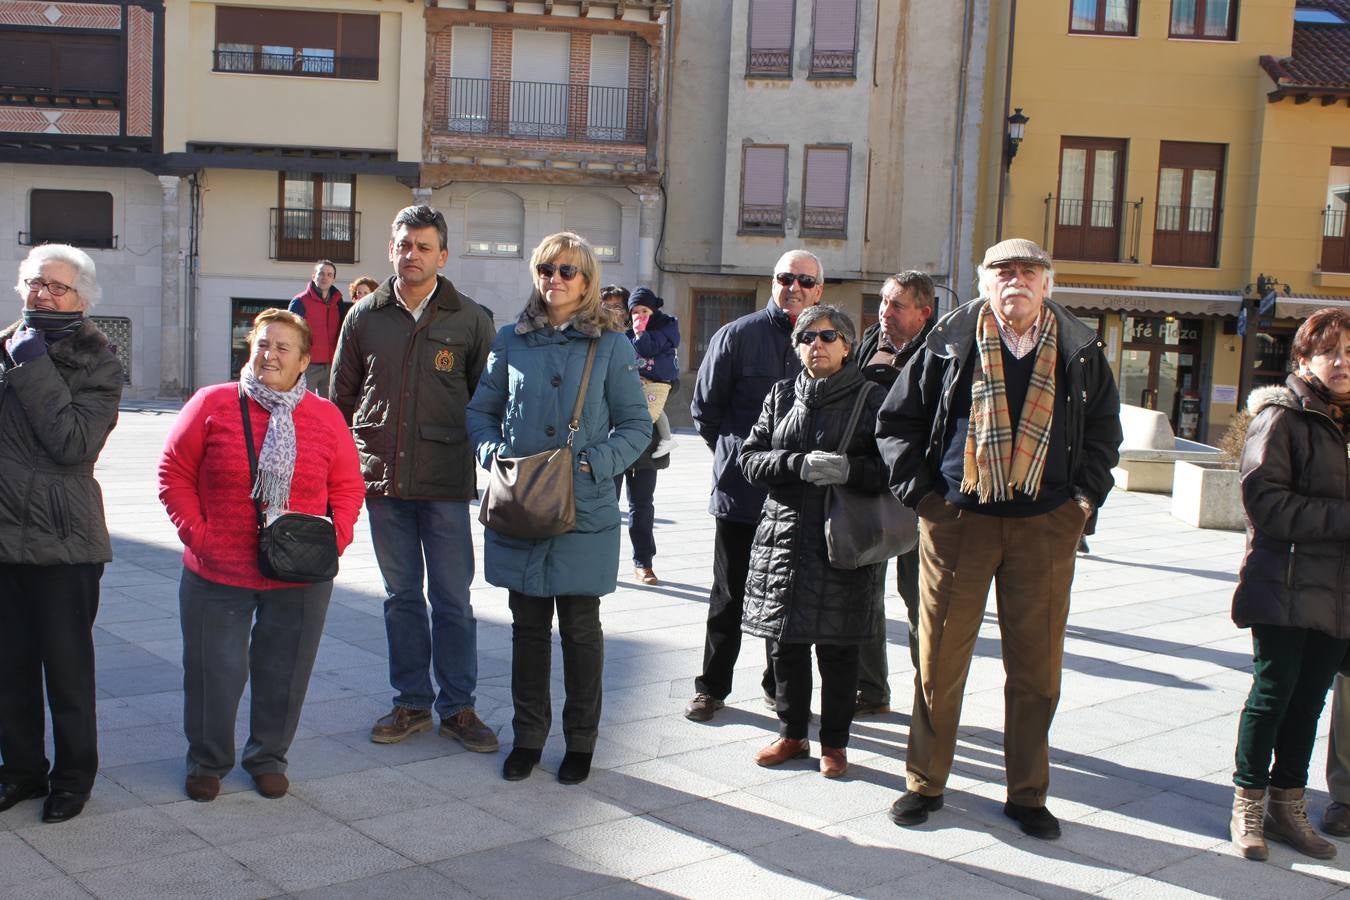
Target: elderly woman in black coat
1292, 589
793, 596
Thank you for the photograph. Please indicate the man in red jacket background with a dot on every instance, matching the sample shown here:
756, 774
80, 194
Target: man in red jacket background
320, 304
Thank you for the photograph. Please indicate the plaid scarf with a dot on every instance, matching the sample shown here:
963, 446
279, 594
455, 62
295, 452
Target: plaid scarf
997, 461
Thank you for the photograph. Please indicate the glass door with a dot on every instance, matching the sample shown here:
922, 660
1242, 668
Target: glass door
1136, 378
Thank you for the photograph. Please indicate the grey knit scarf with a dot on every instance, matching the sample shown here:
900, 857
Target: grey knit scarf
276, 462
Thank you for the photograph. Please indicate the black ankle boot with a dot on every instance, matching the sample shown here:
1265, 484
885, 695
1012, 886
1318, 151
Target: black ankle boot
575, 767
519, 762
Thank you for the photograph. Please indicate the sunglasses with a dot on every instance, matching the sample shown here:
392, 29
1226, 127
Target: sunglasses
829, 336
786, 278
566, 270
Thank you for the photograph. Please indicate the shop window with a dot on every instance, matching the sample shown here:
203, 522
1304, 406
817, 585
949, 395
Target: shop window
712, 310
1190, 186
291, 42
769, 35
316, 219
242, 312
1116, 17
763, 189
1209, 20
81, 218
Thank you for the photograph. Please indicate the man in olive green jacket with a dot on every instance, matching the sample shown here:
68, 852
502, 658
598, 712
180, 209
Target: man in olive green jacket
408, 359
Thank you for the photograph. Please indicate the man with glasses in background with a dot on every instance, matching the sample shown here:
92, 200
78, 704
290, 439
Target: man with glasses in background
408, 359
744, 359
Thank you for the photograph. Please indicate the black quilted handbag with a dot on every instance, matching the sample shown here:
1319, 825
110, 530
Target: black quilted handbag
296, 547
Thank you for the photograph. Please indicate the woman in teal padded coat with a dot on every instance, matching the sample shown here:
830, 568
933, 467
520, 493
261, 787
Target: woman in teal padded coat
522, 405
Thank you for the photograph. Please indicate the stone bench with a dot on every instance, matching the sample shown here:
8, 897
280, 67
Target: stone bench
1149, 451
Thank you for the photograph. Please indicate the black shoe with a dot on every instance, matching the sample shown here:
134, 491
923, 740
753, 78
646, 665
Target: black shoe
12, 794
1036, 821
520, 762
575, 768
913, 808
63, 805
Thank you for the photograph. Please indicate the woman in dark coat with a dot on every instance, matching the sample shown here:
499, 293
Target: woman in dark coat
1292, 589
59, 389
793, 596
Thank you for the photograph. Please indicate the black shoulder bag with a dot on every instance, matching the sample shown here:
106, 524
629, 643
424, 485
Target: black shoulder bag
296, 547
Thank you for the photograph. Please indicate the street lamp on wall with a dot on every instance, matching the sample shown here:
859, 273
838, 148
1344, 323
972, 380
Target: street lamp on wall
1017, 126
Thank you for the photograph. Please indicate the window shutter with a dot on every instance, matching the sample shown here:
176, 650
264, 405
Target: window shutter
540, 56
470, 52
836, 24
596, 219
496, 217
765, 170
826, 178
771, 24
1340, 156
82, 218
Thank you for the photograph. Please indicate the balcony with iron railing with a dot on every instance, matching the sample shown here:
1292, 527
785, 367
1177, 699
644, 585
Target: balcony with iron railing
304, 235
834, 63
1335, 242
761, 219
824, 221
544, 111
312, 65
1105, 231
769, 62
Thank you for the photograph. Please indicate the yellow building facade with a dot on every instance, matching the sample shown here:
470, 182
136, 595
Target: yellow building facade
1177, 162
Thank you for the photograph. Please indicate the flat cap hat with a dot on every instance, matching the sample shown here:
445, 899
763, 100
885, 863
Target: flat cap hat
1016, 250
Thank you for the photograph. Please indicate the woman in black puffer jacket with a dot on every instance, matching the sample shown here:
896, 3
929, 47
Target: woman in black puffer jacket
793, 596
1292, 589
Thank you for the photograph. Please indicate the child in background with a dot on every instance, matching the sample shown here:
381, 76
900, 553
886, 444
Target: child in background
655, 337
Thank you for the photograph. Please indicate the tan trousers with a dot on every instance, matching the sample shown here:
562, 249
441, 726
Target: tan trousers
1030, 561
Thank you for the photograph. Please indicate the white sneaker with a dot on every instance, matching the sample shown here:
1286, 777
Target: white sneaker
663, 448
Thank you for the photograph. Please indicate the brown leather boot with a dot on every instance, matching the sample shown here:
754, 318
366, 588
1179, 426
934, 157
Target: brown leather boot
782, 750
1247, 826
1287, 822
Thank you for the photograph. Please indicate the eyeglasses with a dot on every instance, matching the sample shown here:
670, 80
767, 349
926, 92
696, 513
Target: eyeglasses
566, 270
829, 336
786, 278
55, 288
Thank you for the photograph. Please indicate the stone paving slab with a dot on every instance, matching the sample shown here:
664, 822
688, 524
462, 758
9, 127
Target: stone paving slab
1155, 675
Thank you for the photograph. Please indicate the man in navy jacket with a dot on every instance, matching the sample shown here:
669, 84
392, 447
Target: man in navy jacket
744, 359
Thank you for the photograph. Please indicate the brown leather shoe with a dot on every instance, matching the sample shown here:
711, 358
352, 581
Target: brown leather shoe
202, 788
645, 575
833, 762
465, 727
1336, 819
272, 785
399, 724
782, 750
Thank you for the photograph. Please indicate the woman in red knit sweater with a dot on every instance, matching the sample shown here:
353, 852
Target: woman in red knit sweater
306, 463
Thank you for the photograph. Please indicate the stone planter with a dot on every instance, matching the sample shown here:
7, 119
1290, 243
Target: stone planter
1207, 495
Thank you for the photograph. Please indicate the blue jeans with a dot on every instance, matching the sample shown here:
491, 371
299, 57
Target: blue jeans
410, 537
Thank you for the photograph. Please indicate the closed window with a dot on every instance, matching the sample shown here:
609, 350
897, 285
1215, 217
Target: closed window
540, 71
1190, 185
834, 39
1088, 208
598, 220
712, 310
470, 73
763, 189
1211, 20
1103, 16
290, 42
495, 224
81, 218
73, 69
316, 218
825, 191
1335, 239
769, 53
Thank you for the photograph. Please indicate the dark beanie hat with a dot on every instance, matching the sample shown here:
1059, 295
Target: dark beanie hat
644, 297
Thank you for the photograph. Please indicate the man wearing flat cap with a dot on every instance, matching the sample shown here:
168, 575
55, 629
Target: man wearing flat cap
1001, 434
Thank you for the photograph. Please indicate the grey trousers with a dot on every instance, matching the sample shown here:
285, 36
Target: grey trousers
873, 667
236, 635
316, 378
1338, 748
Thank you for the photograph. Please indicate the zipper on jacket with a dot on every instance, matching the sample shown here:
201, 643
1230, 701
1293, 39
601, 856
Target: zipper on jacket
1289, 566
409, 359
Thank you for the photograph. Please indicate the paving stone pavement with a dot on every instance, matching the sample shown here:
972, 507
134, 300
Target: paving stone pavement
1155, 674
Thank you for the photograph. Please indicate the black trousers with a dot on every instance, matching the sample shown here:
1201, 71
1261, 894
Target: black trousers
583, 649
726, 605
641, 513
838, 682
873, 667
46, 629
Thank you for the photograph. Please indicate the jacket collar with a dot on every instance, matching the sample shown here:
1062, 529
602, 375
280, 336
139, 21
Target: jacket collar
81, 349
777, 316
954, 333
1294, 394
312, 290
445, 296
534, 318
817, 392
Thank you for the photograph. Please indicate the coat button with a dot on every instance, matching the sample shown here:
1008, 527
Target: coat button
550, 431
555, 380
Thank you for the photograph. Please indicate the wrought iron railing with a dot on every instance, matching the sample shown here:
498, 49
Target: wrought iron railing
824, 219
1093, 230
775, 62
540, 110
305, 235
308, 64
833, 63
1335, 243
762, 218
1186, 235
